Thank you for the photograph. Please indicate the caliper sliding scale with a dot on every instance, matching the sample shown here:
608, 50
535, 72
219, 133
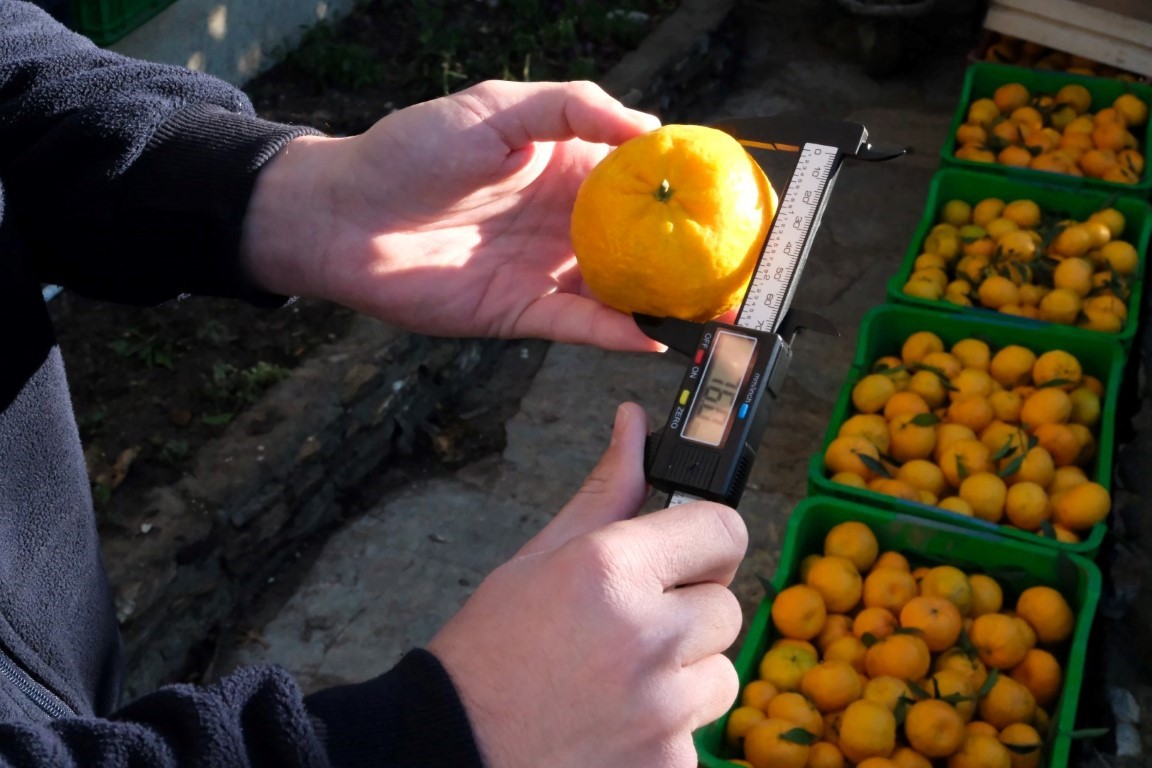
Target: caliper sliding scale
706, 448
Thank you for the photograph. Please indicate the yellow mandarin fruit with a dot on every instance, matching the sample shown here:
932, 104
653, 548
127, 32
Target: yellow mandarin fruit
924, 475
1121, 256
765, 746
871, 393
876, 762
1024, 743
1097, 162
957, 505
956, 212
1082, 506
843, 455
798, 612
832, 685
1013, 155
983, 112
1131, 160
944, 362
1098, 231
898, 655
1030, 638
974, 412
934, 728
904, 403
877, 622
1012, 365
1085, 407
889, 588
783, 666
1057, 366
997, 291
986, 211
1040, 673
906, 757
1025, 213
1065, 535
1060, 305
670, 223
797, 709
796, 643
1071, 242
918, 345
1074, 274
1007, 702
854, 541
1109, 116
908, 440
1086, 441
937, 619
1097, 319
1011, 96
1059, 441
986, 493
1130, 106
1027, 117
971, 134
987, 596
849, 650
887, 691
836, 626
1075, 96
1047, 612
1049, 405
1041, 721
972, 353
981, 750
929, 386
823, 754
929, 260
832, 722
1017, 244
948, 434
893, 559
921, 287
1064, 478
955, 687
1026, 506
872, 426
757, 694
1111, 218
1031, 294
740, 721
951, 583
964, 458
867, 730
1108, 302
971, 382
850, 479
807, 563
958, 660
1081, 124
998, 640
837, 581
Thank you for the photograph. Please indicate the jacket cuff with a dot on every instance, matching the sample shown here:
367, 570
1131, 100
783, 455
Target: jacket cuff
188, 193
411, 715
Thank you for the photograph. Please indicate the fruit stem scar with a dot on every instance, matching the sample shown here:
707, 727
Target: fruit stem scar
664, 193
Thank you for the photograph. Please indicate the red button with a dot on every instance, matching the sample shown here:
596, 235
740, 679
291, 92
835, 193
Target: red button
699, 356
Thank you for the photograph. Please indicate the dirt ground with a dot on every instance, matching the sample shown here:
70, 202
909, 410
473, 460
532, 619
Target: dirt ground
151, 385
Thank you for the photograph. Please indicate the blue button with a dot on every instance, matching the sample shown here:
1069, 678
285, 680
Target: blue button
743, 411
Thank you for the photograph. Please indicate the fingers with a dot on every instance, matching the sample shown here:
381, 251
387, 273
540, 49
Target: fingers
715, 684
526, 112
613, 491
572, 319
686, 544
706, 617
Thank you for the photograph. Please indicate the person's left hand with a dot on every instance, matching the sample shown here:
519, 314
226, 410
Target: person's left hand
450, 217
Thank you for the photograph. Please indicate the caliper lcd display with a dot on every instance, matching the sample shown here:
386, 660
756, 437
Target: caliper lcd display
716, 398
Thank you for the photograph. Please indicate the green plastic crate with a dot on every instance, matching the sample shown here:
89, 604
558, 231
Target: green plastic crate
1017, 566
982, 79
954, 184
106, 21
883, 332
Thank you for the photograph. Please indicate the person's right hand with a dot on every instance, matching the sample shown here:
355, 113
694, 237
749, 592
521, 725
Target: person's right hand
600, 643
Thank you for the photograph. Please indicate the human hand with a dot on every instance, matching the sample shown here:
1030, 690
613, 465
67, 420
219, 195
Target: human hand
600, 642
450, 217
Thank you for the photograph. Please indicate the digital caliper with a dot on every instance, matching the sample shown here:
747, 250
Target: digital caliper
706, 448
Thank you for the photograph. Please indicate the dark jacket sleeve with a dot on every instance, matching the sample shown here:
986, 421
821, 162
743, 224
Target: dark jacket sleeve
407, 718
124, 180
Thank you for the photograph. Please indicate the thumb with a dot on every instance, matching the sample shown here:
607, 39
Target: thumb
613, 491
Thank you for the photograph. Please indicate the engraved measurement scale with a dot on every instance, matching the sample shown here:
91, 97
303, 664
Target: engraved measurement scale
707, 446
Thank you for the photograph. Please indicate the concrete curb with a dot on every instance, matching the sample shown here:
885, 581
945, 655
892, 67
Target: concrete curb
272, 481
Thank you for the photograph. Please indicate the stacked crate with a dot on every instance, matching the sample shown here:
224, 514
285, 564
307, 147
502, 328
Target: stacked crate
925, 533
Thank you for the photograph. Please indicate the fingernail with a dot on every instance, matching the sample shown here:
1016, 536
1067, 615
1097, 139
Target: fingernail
622, 417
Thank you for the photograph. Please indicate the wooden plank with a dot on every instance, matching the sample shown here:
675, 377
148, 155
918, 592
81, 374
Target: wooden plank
1095, 32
